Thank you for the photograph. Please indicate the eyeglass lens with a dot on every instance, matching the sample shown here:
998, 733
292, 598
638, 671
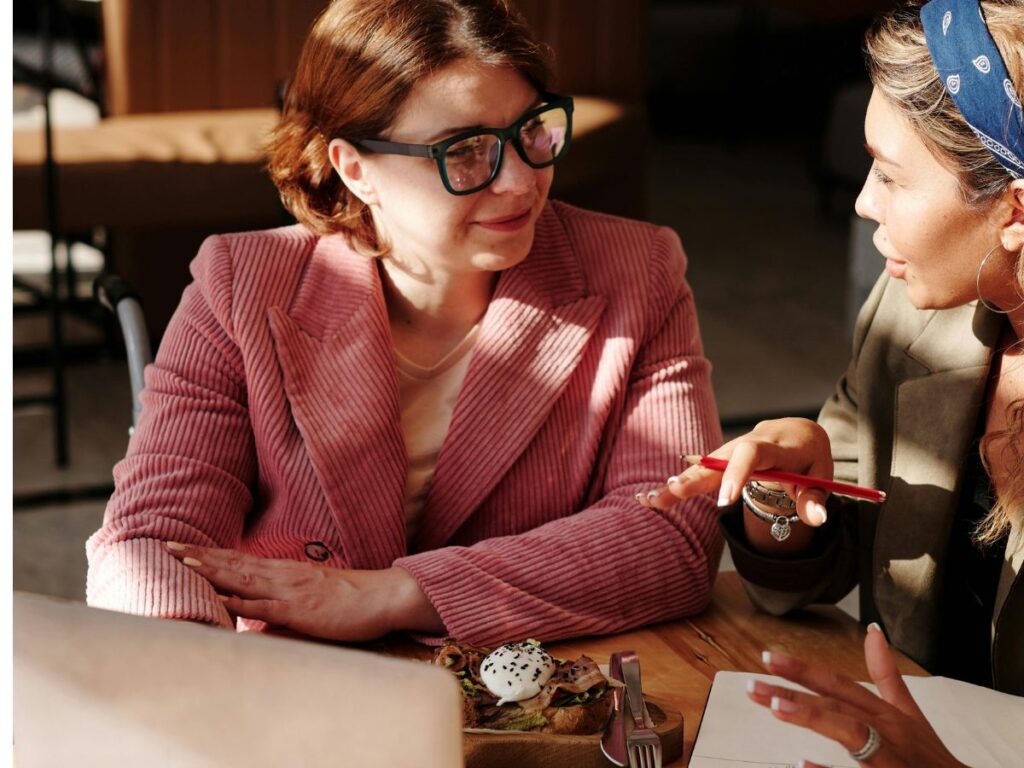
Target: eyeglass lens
470, 163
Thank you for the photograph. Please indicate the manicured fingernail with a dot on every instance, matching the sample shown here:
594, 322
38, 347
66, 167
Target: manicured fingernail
640, 498
725, 494
766, 658
873, 627
678, 484
785, 706
653, 495
756, 687
191, 561
174, 546
818, 513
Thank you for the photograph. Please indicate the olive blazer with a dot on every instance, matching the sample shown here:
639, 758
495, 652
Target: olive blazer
902, 419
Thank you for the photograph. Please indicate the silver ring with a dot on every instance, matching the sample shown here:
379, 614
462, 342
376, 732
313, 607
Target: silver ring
870, 746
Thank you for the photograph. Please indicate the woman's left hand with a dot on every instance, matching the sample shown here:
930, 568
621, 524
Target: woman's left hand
313, 599
843, 709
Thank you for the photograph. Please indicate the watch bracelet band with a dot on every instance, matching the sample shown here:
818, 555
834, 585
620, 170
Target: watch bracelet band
750, 503
771, 497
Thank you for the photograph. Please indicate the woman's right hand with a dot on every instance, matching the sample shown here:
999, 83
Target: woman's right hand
792, 444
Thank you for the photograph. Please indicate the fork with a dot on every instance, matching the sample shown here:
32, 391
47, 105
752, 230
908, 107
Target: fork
643, 747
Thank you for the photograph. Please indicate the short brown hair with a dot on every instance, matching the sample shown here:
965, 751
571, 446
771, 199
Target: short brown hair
357, 67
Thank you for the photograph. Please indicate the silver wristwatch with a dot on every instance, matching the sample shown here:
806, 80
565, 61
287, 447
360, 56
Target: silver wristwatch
755, 492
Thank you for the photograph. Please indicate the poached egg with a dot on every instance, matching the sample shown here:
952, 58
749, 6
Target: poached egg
516, 671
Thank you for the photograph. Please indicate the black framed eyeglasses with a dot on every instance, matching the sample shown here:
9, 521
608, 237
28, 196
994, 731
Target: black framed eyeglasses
471, 160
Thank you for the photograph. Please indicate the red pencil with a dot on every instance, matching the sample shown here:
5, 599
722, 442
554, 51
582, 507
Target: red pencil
805, 481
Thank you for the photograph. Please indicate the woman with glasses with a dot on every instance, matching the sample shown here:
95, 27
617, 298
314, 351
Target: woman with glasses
930, 410
430, 404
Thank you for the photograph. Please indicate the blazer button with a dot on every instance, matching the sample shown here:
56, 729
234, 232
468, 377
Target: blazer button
317, 550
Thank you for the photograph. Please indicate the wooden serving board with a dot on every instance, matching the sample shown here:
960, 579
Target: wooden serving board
550, 750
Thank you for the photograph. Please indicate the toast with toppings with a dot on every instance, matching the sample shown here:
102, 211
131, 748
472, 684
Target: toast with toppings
520, 687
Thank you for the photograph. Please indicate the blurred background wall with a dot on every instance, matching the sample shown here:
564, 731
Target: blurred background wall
737, 123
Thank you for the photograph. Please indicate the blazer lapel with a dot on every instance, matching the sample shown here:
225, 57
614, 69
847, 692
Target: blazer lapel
937, 409
334, 348
1007, 660
532, 338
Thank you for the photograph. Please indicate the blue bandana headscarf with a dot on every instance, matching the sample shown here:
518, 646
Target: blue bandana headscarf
976, 78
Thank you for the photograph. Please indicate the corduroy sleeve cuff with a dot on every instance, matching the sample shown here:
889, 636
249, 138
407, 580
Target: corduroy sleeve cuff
139, 577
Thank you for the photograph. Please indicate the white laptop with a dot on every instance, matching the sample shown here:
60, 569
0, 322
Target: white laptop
96, 688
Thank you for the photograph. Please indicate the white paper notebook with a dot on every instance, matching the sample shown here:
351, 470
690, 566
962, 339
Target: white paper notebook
981, 727
95, 688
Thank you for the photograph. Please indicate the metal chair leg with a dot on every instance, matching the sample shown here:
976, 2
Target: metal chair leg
56, 320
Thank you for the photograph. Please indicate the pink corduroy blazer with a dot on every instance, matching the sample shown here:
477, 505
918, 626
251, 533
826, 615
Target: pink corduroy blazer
270, 423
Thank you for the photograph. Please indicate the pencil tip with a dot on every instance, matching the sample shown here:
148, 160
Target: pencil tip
691, 458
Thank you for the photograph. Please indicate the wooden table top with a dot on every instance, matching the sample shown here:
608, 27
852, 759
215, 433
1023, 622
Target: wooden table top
679, 659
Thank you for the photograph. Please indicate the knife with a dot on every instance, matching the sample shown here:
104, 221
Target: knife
613, 740
630, 662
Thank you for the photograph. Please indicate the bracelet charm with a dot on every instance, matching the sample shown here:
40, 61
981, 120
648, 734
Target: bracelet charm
780, 528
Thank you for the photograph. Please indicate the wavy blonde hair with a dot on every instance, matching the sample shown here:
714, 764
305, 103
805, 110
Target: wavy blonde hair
901, 68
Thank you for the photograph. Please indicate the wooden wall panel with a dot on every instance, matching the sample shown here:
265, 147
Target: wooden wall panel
170, 55
600, 45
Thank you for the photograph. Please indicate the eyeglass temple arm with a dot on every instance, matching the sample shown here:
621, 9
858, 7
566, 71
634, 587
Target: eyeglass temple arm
397, 148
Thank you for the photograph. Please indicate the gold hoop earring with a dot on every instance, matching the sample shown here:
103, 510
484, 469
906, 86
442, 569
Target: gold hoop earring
981, 299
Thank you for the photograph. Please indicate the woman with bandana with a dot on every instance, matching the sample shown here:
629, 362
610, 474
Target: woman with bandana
930, 410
